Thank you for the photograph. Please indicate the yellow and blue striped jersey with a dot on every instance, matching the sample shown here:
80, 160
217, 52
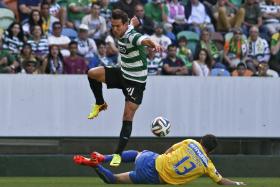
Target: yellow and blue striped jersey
185, 163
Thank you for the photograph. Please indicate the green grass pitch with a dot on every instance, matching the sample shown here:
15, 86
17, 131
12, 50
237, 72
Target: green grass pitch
96, 182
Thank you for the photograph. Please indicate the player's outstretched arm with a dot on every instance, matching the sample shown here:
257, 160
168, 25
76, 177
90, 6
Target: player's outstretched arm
150, 43
225, 181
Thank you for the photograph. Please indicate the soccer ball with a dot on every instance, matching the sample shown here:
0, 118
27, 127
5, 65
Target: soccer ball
160, 126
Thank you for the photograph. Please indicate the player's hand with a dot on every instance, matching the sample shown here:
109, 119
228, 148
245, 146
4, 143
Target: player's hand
240, 184
158, 48
134, 21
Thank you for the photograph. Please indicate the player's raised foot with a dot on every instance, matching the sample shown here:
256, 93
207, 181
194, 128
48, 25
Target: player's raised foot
81, 160
96, 109
97, 157
116, 161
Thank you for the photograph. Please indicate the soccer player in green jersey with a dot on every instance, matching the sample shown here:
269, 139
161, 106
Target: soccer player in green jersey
130, 77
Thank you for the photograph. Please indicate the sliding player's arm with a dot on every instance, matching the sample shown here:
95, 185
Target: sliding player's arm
216, 177
225, 181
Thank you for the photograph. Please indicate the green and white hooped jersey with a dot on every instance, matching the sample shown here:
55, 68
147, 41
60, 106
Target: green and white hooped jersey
133, 56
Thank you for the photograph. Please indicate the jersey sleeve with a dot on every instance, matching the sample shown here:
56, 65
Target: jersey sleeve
213, 173
136, 38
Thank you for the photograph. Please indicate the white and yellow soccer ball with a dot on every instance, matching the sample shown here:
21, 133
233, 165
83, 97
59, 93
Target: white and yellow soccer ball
160, 126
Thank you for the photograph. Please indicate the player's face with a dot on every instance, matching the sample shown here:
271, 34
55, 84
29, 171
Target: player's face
118, 27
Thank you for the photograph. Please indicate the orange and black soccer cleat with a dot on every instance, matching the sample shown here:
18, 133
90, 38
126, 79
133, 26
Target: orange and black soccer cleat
81, 160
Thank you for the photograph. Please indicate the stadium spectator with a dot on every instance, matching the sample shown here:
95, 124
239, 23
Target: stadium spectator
106, 11
47, 18
26, 55
30, 67
173, 65
58, 11
39, 43
76, 10
241, 71
168, 29
58, 39
8, 63
127, 6
74, 64
180, 164
96, 23
274, 62
102, 58
147, 24
198, 16
156, 10
259, 51
271, 15
13, 39
203, 65
154, 62
176, 15
86, 46
34, 19
25, 8
226, 16
209, 45
264, 71
253, 16
161, 39
53, 63
235, 49
184, 52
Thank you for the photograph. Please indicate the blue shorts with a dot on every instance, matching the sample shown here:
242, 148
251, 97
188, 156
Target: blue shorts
145, 171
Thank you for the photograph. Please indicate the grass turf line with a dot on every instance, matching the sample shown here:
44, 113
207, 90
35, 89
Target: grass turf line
96, 182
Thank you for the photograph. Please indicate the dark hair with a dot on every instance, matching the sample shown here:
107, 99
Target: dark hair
56, 23
171, 46
208, 60
25, 44
95, 3
20, 34
73, 42
182, 38
119, 14
101, 42
31, 21
209, 142
44, 3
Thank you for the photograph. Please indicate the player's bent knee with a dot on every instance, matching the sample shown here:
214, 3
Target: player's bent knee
97, 73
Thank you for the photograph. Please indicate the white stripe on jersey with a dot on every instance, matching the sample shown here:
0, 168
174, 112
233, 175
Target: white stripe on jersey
131, 54
138, 63
141, 73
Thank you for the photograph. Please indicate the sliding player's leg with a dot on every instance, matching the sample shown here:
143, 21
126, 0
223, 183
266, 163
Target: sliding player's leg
126, 156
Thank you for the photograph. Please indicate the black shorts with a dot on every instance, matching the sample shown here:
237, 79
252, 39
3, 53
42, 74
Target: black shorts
133, 91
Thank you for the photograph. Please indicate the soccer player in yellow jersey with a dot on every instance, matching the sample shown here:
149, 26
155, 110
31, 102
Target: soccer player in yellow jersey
180, 164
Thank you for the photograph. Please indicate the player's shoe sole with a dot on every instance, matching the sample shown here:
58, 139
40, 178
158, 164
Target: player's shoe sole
81, 160
96, 109
116, 161
97, 157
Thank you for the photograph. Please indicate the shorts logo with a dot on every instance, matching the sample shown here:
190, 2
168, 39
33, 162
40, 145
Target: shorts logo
130, 91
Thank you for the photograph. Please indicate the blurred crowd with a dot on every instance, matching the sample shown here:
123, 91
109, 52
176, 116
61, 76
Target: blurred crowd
200, 38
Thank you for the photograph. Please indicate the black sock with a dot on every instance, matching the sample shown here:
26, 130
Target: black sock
96, 88
124, 136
